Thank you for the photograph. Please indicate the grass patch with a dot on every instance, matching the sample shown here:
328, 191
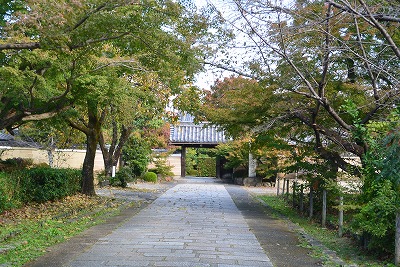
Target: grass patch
26, 233
345, 247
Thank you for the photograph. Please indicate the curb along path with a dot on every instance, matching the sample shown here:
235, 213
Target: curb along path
189, 225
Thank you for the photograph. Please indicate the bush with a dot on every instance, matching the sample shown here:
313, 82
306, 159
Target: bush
150, 177
7, 189
12, 164
206, 167
136, 155
44, 184
38, 184
123, 177
375, 221
162, 168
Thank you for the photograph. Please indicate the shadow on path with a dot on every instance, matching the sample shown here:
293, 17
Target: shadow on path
281, 244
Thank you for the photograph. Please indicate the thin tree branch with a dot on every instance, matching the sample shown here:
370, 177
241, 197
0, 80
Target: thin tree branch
379, 26
378, 17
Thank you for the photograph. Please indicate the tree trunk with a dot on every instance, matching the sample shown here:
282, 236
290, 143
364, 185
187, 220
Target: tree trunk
112, 154
397, 240
92, 139
107, 165
88, 166
50, 155
323, 221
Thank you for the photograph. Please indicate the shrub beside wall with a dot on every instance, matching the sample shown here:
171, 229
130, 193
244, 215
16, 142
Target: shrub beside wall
38, 184
44, 184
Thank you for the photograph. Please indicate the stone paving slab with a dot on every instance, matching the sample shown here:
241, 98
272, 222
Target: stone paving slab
189, 225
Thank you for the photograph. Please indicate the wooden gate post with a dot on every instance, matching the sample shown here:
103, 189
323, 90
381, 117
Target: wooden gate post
277, 185
287, 189
283, 189
183, 161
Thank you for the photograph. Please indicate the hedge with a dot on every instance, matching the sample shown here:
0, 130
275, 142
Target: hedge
37, 184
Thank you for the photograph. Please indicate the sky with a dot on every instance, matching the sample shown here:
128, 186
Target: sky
206, 79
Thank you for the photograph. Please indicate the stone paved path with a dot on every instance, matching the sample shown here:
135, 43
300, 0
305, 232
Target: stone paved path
189, 225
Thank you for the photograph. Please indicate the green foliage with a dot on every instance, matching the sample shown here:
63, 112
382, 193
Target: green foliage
191, 161
206, 167
53, 133
201, 162
12, 164
376, 219
38, 184
236, 152
104, 66
8, 191
136, 155
344, 247
150, 177
123, 177
237, 103
380, 196
162, 168
43, 184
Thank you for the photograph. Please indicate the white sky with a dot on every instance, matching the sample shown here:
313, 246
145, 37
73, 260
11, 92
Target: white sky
205, 79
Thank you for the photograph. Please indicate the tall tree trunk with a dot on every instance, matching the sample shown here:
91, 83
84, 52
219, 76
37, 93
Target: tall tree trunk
50, 155
397, 239
92, 139
88, 166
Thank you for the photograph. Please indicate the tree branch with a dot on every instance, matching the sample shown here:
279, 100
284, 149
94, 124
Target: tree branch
379, 17
27, 116
220, 66
20, 46
79, 126
388, 38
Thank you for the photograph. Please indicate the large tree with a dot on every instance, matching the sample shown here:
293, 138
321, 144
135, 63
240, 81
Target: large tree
141, 107
62, 56
41, 39
334, 65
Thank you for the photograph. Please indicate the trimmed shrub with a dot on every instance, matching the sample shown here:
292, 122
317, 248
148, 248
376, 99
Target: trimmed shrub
123, 177
38, 184
43, 184
6, 192
150, 177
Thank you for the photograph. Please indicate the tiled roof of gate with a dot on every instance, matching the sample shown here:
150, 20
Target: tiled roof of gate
187, 132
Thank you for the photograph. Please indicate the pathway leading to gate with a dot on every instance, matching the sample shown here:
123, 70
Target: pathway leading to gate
196, 222
189, 225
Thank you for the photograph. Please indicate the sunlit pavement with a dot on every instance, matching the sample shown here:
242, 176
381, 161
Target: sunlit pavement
195, 223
